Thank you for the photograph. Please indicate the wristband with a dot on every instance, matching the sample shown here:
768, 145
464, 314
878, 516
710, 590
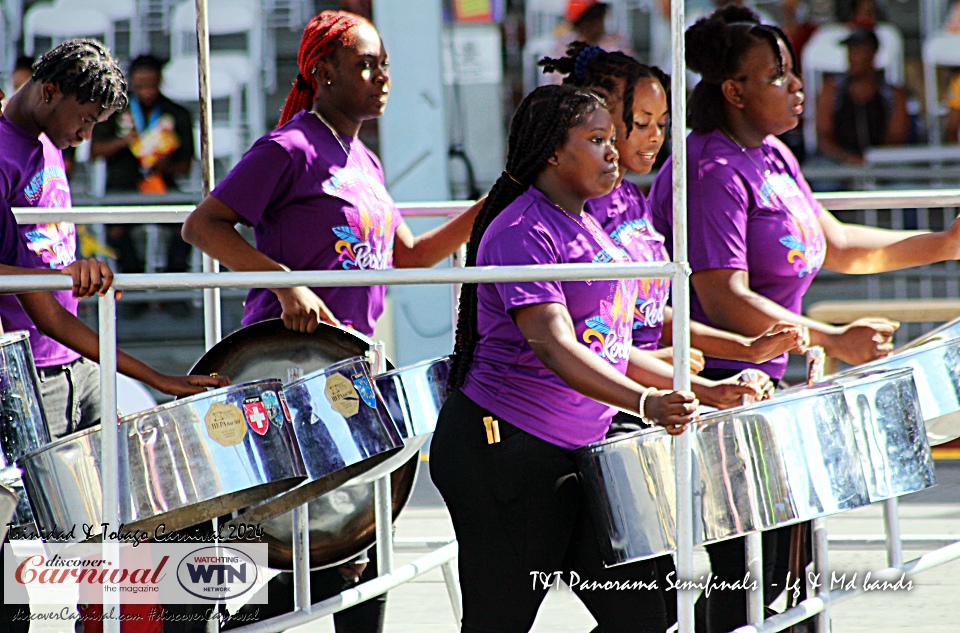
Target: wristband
643, 403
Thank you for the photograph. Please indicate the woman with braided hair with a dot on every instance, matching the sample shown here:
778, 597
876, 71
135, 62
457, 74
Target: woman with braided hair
757, 236
314, 193
315, 196
637, 97
542, 364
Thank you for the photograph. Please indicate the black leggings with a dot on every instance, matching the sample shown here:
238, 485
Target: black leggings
517, 509
727, 609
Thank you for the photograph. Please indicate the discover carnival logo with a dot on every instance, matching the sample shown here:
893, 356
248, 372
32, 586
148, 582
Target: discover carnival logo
217, 573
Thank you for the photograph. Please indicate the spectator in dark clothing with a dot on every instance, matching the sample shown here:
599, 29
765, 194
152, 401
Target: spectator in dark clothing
860, 109
146, 147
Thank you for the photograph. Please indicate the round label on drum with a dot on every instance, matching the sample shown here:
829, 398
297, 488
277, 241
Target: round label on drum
225, 424
342, 395
256, 415
272, 406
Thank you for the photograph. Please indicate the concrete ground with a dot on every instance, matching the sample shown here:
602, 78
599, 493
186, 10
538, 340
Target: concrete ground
422, 605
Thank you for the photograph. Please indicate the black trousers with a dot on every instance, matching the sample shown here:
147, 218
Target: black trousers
727, 609
518, 512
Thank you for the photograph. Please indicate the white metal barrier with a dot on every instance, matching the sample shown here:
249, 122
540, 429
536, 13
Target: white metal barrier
446, 552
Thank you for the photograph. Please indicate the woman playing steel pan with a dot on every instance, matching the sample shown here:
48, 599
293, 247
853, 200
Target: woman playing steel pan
637, 97
536, 369
314, 193
315, 196
757, 236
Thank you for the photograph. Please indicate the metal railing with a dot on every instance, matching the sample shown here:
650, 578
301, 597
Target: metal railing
444, 556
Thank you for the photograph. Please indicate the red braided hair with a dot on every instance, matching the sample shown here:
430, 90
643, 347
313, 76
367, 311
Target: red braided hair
320, 38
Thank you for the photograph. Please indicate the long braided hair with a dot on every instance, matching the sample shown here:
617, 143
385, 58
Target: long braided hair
85, 69
538, 127
716, 45
321, 37
612, 75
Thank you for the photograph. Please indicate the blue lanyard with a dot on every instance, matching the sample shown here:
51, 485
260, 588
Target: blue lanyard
137, 111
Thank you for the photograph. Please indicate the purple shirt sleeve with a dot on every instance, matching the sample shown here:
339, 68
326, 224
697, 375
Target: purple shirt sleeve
718, 221
253, 183
520, 245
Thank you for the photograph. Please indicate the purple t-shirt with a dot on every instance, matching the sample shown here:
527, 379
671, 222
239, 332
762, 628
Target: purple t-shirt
32, 175
750, 210
506, 376
313, 208
625, 215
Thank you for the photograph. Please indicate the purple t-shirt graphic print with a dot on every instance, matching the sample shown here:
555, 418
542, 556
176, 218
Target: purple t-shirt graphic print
313, 208
506, 376
32, 174
749, 209
625, 215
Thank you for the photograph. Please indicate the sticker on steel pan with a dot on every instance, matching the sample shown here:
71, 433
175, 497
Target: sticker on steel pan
342, 395
225, 424
365, 389
283, 404
272, 406
256, 415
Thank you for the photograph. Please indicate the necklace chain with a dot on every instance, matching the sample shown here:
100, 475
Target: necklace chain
346, 150
743, 148
597, 233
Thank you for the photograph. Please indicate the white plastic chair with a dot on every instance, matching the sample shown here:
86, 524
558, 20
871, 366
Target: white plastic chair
942, 49
824, 54
63, 20
253, 65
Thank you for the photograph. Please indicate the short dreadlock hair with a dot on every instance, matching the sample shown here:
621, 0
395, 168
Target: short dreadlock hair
85, 69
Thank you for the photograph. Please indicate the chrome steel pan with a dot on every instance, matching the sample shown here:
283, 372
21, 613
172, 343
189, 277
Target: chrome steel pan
629, 483
8, 506
888, 426
181, 463
781, 461
342, 426
944, 332
936, 373
268, 349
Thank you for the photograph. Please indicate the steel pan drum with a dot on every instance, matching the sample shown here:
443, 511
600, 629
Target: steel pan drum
888, 426
8, 506
340, 424
630, 486
23, 427
774, 463
181, 463
945, 332
936, 372
268, 348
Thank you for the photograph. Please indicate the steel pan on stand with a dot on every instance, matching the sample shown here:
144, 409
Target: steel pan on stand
181, 463
774, 463
23, 427
630, 486
936, 373
269, 348
888, 426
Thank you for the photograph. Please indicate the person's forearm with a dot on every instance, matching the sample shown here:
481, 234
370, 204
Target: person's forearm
54, 321
709, 340
221, 241
433, 246
653, 372
867, 250
750, 314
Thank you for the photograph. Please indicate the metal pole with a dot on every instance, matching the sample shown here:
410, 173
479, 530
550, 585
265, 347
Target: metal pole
683, 446
211, 296
382, 489
453, 590
891, 529
754, 554
109, 448
301, 558
821, 565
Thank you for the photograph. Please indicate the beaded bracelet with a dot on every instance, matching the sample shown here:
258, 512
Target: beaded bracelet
643, 403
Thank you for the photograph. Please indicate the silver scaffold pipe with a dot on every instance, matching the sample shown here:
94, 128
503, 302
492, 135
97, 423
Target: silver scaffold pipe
395, 276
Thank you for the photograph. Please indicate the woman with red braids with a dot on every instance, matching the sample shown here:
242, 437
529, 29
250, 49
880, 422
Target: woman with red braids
315, 197
314, 193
